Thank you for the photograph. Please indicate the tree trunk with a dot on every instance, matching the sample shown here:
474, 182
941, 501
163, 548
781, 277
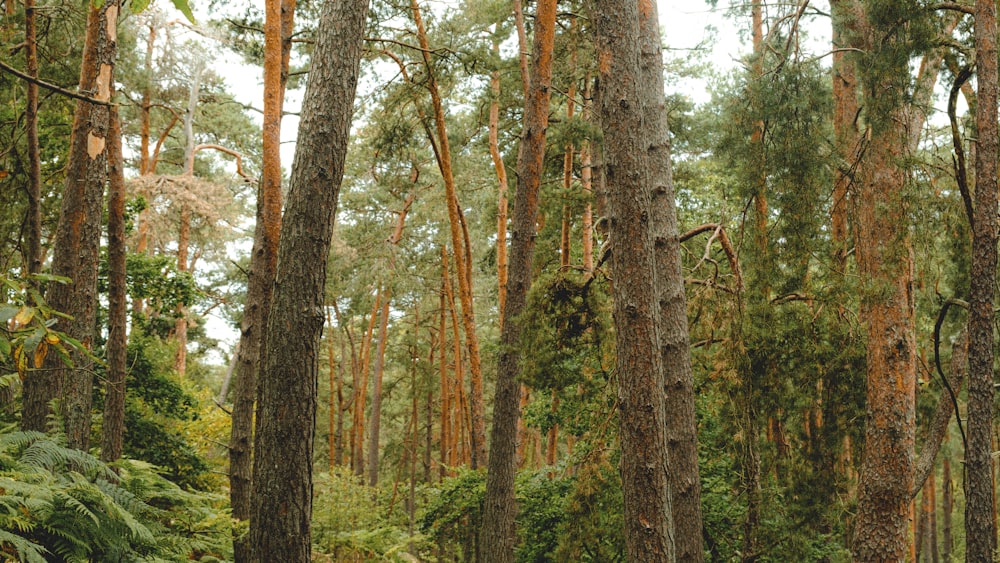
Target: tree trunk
77, 239
113, 428
462, 263
649, 529
501, 190
33, 239
885, 261
980, 508
445, 441
263, 264
947, 507
845, 15
681, 424
498, 536
282, 469
361, 394
376, 414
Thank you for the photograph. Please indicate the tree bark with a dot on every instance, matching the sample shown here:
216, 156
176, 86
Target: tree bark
498, 536
113, 429
33, 240
980, 506
647, 513
77, 239
845, 15
681, 424
376, 413
282, 468
885, 261
263, 264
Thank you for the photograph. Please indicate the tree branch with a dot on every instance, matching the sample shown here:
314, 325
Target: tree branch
11, 70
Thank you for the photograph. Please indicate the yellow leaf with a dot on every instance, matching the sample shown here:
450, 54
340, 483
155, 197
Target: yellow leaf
40, 352
22, 318
52, 338
21, 361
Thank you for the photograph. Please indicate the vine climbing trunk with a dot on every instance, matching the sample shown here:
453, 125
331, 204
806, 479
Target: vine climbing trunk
281, 503
498, 536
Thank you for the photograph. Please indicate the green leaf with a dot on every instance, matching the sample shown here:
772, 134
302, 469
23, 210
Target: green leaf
7, 312
185, 8
138, 6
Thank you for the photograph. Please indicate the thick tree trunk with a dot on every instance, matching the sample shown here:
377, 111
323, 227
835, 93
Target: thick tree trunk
980, 507
885, 261
282, 478
113, 429
498, 536
681, 424
263, 264
77, 240
649, 529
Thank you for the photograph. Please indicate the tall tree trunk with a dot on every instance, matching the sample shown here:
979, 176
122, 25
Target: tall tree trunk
77, 239
376, 413
586, 183
286, 423
361, 394
462, 264
980, 506
33, 244
278, 18
113, 428
845, 15
498, 536
681, 424
885, 261
947, 507
649, 529
445, 441
501, 189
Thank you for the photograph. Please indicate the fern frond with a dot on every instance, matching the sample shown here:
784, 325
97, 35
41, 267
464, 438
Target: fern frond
27, 550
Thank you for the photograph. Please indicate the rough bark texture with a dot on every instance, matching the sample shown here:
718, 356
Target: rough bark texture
113, 428
980, 509
33, 239
498, 535
77, 240
845, 14
682, 426
263, 263
885, 263
282, 477
641, 405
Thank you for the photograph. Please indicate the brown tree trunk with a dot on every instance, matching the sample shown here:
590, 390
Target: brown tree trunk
361, 394
586, 183
649, 529
498, 536
33, 238
947, 507
376, 412
77, 238
286, 422
681, 424
980, 508
501, 190
845, 15
278, 17
462, 264
113, 428
446, 433
885, 260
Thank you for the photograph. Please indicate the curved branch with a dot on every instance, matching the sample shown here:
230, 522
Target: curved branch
937, 360
727, 247
961, 175
58, 89
230, 152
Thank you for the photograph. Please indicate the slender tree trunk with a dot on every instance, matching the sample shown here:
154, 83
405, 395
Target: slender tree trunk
845, 15
113, 428
980, 505
361, 394
498, 536
33, 243
501, 190
462, 263
947, 507
445, 384
278, 18
77, 238
586, 183
885, 261
649, 529
282, 478
376, 414
681, 424
334, 402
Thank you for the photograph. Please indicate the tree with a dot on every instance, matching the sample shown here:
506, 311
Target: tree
77, 240
641, 406
282, 475
980, 508
263, 262
681, 425
499, 510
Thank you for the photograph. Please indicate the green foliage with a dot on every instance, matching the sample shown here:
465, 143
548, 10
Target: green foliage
59, 504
